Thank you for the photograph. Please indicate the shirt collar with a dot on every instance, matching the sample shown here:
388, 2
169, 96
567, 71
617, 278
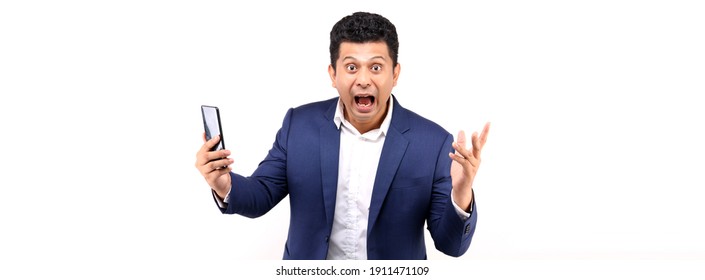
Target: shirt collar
339, 117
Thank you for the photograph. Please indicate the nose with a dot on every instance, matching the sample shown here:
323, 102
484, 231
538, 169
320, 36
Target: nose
363, 78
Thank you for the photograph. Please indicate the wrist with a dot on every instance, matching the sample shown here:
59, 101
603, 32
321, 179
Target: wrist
463, 198
221, 193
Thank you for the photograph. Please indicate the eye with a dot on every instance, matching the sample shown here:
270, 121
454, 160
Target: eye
376, 67
351, 67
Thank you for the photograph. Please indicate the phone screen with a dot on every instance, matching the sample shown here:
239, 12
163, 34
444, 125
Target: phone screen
211, 123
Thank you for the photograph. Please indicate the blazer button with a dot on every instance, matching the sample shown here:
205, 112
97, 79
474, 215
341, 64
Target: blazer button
467, 229
327, 239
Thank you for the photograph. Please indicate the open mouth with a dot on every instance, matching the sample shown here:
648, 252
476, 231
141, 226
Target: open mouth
364, 101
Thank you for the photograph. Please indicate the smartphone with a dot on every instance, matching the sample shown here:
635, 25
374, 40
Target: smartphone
211, 123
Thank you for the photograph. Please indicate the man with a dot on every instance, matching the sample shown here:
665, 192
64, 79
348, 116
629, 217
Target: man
363, 174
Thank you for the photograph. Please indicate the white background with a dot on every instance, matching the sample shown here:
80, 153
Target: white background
595, 150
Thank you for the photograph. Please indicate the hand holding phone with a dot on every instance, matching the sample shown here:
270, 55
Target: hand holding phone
210, 161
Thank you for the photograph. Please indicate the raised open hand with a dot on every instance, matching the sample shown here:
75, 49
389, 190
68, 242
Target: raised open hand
465, 164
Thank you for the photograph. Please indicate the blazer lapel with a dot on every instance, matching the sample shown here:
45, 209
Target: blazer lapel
395, 145
330, 150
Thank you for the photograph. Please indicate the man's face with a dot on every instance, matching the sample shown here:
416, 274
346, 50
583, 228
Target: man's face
364, 77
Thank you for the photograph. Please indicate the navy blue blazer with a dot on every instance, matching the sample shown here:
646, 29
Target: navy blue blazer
412, 186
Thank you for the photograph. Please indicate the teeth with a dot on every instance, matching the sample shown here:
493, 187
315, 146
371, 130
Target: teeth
363, 105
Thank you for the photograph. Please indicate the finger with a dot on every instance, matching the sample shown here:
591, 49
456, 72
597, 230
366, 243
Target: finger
202, 153
469, 165
220, 154
481, 140
214, 166
463, 156
461, 138
461, 160
461, 150
485, 132
219, 164
203, 157
204, 137
476, 146
208, 145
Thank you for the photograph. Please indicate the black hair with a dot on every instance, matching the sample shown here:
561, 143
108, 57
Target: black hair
363, 27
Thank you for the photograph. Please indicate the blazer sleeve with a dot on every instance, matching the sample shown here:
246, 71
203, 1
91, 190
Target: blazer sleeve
255, 195
451, 234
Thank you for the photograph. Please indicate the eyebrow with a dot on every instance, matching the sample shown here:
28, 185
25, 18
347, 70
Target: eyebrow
372, 58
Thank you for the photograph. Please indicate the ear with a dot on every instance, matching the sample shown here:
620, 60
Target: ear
331, 73
397, 70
